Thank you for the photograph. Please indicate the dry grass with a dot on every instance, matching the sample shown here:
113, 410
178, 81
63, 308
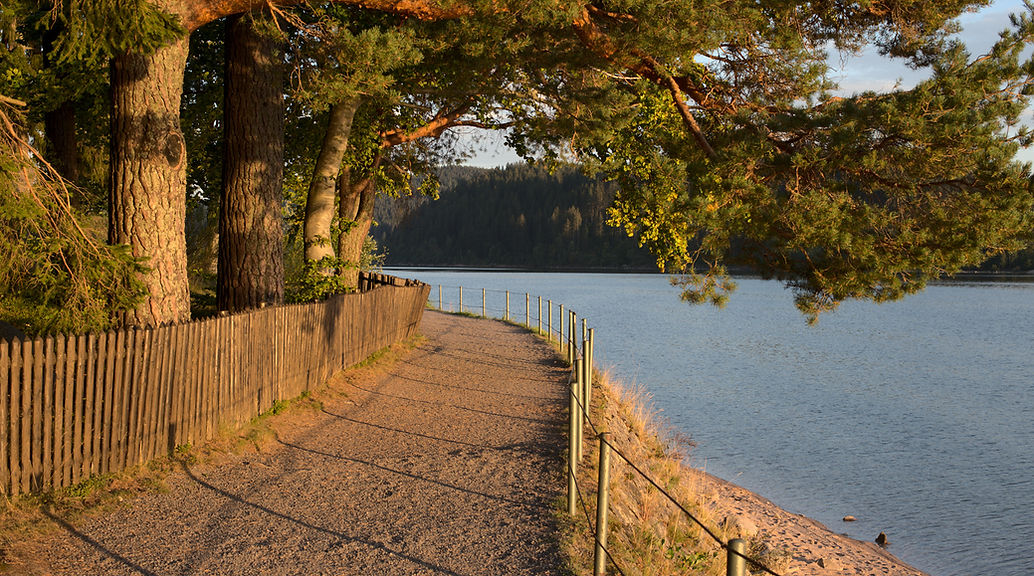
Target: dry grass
648, 535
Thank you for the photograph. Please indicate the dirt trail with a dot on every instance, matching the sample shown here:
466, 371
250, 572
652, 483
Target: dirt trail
449, 463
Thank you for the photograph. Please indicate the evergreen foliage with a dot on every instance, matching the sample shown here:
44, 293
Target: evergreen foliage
54, 276
713, 121
729, 148
517, 216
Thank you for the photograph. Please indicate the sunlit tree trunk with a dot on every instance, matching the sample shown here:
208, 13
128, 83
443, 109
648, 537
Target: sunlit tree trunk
147, 191
319, 206
355, 215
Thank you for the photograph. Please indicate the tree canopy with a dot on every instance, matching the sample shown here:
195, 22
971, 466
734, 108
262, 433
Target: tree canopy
718, 121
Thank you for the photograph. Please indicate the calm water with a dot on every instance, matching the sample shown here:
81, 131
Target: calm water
916, 417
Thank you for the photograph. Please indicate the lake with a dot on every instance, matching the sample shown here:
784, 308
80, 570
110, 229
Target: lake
916, 417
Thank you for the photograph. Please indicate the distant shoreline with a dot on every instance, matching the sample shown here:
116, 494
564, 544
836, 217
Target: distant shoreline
964, 276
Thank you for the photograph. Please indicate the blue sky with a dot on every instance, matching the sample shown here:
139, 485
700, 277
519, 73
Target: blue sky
867, 71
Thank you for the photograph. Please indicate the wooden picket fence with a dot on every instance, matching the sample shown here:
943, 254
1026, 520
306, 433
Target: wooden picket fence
72, 407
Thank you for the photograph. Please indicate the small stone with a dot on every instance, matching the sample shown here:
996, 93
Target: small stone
830, 564
849, 518
882, 539
740, 526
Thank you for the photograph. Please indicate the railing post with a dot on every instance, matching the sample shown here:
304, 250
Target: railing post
735, 562
571, 352
506, 315
540, 313
572, 461
483, 307
579, 432
560, 332
549, 320
586, 376
588, 364
439, 297
527, 310
602, 497
461, 300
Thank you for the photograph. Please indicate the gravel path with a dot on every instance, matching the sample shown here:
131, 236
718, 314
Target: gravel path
449, 462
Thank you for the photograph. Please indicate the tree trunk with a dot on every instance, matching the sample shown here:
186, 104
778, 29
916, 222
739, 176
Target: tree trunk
319, 207
59, 124
147, 193
62, 146
251, 254
355, 215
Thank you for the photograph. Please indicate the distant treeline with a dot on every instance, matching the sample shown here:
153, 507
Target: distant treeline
1022, 261
517, 216
522, 216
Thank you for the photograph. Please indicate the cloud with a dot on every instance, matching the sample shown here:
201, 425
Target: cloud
870, 71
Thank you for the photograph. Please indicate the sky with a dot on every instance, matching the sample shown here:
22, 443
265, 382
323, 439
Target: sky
867, 71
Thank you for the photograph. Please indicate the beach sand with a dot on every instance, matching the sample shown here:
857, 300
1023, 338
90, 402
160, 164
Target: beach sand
814, 549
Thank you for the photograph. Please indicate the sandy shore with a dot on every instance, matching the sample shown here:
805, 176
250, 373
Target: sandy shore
815, 549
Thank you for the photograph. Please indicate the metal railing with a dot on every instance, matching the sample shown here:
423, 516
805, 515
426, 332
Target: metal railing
581, 379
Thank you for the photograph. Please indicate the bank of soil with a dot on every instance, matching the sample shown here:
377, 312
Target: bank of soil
813, 549
449, 462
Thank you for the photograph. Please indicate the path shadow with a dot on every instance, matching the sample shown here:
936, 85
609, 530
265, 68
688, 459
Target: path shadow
97, 545
469, 389
480, 356
345, 537
535, 448
456, 406
413, 476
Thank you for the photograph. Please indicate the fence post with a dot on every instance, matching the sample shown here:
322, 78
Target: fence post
461, 301
579, 432
602, 496
549, 319
560, 331
483, 307
588, 364
571, 352
585, 326
586, 376
572, 461
527, 310
439, 297
506, 315
540, 314
735, 562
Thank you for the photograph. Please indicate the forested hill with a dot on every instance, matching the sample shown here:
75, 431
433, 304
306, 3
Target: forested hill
517, 216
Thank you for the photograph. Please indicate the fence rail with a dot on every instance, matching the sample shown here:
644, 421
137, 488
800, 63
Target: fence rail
72, 407
578, 349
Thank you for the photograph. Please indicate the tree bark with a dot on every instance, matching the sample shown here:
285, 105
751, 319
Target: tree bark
355, 215
147, 193
59, 124
196, 13
62, 145
319, 206
251, 254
